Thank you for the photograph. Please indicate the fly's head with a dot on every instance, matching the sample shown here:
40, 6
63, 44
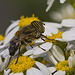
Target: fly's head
14, 44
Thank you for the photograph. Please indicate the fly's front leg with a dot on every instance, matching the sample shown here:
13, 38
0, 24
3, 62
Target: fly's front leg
46, 37
42, 39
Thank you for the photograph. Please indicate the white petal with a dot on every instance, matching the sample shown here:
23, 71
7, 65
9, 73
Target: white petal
11, 26
6, 72
17, 73
68, 35
11, 35
49, 5
72, 29
52, 58
33, 71
45, 46
52, 24
68, 22
2, 47
43, 68
74, 61
35, 56
50, 29
0, 61
70, 61
29, 52
39, 41
62, 1
58, 53
72, 53
4, 64
1, 42
52, 69
60, 73
5, 53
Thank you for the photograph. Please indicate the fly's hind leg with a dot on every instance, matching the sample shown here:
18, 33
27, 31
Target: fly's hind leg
9, 60
39, 46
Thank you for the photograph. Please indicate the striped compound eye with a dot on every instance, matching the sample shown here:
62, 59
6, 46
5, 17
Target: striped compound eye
38, 26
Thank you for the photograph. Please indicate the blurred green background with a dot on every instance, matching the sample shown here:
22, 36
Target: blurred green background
13, 9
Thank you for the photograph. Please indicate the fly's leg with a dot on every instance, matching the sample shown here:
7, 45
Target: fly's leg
31, 46
9, 60
40, 47
46, 37
18, 55
42, 39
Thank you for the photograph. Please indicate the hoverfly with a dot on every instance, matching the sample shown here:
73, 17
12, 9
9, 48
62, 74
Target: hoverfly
25, 36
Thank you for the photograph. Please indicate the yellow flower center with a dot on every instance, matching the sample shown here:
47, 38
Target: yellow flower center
54, 36
62, 65
27, 20
23, 64
1, 38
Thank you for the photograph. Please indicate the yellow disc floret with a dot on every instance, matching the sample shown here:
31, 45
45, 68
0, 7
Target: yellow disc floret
1, 38
23, 64
62, 65
54, 36
27, 20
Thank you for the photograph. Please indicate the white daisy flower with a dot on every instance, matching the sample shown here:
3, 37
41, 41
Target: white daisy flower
60, 68
66, 12
14, 27
27, 64
50, 3
64, 67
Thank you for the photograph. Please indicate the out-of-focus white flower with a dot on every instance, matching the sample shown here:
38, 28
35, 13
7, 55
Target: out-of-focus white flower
66, 12
50, 3
71, 59
27, 64
4, 64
